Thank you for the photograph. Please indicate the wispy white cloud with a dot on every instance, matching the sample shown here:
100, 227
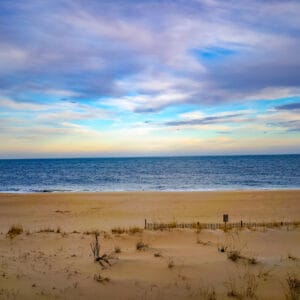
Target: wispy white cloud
148, 103
11, 104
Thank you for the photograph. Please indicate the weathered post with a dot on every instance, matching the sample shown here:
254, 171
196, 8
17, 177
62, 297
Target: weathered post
225, 219
145, 223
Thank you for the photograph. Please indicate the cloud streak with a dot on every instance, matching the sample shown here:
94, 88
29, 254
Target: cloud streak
290, 107
206, 120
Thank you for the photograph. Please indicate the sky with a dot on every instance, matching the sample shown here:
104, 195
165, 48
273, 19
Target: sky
87, 78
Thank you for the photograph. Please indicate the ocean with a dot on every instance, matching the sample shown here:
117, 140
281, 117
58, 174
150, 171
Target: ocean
202, 173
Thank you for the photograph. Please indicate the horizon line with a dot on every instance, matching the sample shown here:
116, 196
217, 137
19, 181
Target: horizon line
148, 156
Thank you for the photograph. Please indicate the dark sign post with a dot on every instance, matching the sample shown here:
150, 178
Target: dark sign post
225, 219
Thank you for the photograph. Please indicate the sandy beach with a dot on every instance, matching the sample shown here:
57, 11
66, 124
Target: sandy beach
149, 150
52, 258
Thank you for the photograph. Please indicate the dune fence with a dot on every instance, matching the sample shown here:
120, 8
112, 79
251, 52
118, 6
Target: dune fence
214, 226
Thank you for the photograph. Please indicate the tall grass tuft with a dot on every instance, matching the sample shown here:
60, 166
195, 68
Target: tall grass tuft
95, 246
293, 287
14, 230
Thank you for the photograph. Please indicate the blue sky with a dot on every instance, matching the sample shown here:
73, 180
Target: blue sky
127, 78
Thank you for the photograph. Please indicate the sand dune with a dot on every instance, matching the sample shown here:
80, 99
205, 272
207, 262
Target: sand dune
177, 264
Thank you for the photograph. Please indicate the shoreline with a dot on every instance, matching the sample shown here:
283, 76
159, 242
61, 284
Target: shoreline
151, 191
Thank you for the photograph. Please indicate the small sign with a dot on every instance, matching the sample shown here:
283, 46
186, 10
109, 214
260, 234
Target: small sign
225, 218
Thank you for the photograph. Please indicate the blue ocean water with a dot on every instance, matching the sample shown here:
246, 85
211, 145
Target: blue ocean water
151, 173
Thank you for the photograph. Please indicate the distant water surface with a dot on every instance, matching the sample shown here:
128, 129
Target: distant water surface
151, 173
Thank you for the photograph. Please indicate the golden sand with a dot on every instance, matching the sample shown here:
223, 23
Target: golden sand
51, 258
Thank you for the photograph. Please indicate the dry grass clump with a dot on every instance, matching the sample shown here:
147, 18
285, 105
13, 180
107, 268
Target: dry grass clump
273, 225
232, 290
49, 230
141, 246
296, 224
234, 252
207, 293
171, 264
130, 230
293, 287
157, 254
235, 255
6, 293
292, 257
46, 230
133, 230
14, 230
118, 230
117, 249
251, 285
91, 232
208, 243
264, 274
172, 225
251, 260
62, 211
245, 288
293, 225
64, 234
100, 278
106, 235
